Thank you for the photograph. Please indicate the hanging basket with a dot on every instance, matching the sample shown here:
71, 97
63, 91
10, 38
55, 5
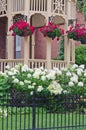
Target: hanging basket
83, 41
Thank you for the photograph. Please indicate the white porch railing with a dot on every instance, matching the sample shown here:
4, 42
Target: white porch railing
11, 63
38, 5
32, 63
58, 64
18, 5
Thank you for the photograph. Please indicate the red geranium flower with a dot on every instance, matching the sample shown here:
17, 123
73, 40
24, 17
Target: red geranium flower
52, 30
22, 28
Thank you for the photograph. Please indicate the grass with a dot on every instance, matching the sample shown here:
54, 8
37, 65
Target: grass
21, 119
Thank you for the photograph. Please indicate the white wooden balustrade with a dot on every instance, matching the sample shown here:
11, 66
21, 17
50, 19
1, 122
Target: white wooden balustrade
32, 63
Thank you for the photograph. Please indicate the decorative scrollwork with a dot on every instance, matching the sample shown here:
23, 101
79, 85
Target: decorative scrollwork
58, 6
3, 6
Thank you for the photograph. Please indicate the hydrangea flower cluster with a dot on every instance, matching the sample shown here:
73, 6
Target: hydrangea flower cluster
21, 28
77, 33
3, 113
52, 30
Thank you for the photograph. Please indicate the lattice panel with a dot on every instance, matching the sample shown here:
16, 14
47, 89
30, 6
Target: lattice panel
58, 6
3, 7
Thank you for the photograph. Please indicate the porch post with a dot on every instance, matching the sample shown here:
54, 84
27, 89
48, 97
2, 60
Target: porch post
73, 51
33, 45
26, 49
48, 52
67, 49
10, 38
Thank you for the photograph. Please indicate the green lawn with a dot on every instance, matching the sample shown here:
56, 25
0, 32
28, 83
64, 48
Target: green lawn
21, 119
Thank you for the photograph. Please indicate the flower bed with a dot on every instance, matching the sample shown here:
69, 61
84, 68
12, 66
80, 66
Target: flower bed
21, 28
71, 80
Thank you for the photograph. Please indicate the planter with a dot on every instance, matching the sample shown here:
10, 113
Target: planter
83, 41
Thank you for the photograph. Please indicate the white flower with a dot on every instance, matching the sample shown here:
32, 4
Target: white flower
24, 68
55, 88
29, 75
7, 67
57, 71
15, 80
14, 70
40, 88
31, 93
30, 87
85, 74
3, 113
80, 84
10, 73
74, 79
71, 83
68, 73
33, 84
79, 71
3, 74
37, 73
13, 77
29, 82
51, 75
43, 78
21, 83
26, 81
65, 91
74, 66
82, 66
63, 69
41, 68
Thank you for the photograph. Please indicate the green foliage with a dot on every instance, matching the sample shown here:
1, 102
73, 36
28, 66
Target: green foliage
80, 55
61, 50
81, 6
84, 11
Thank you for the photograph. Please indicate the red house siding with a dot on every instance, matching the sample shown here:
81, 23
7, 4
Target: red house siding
3, 38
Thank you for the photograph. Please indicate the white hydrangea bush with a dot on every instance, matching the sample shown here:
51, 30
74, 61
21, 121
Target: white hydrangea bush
53, 82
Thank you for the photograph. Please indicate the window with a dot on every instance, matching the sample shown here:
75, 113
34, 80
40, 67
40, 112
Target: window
18, 47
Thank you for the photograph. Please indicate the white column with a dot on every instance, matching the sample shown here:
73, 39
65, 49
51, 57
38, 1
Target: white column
73, 51
33, 45
10, 38
26, 49
69, 9
27, 39
48, 10
48, 52
67, 49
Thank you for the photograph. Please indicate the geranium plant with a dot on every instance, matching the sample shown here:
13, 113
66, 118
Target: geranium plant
52, 30
77, 33
21, 28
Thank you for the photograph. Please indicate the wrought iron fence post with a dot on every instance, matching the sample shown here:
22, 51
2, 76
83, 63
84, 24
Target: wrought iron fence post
34, 112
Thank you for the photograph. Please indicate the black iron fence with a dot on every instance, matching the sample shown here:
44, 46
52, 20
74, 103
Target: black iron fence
62, 112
